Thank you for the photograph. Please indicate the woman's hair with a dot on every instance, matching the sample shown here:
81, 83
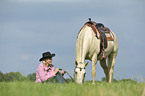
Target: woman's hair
44, 62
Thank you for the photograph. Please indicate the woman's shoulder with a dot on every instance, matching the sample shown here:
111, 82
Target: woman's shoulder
40, 65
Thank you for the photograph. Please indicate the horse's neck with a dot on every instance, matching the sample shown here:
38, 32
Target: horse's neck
83, 42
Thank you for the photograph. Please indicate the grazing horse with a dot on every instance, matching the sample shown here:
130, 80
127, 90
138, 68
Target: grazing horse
88, 47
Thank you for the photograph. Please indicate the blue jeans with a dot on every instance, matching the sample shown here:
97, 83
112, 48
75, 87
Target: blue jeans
58, 78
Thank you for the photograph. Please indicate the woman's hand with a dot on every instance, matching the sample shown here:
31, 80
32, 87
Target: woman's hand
62, 72
56, 70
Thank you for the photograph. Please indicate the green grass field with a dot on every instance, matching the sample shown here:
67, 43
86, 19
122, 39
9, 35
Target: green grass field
71, 89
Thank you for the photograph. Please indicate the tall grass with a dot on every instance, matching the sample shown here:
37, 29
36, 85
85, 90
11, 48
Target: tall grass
71, 89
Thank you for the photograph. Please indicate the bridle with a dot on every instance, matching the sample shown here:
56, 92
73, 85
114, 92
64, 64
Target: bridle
81, 70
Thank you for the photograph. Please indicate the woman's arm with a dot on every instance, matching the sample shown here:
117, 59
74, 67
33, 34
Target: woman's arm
56, 70
43, 76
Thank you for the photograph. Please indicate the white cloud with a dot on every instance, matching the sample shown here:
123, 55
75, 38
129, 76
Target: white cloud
25, 56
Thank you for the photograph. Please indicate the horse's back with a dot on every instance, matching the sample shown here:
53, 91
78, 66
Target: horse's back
87, 40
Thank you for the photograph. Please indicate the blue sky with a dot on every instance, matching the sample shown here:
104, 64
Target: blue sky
30, 27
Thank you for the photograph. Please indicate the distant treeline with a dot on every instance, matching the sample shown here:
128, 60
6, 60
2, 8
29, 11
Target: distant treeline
17, 76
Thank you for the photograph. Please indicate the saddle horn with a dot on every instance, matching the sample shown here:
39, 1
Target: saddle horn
89, 19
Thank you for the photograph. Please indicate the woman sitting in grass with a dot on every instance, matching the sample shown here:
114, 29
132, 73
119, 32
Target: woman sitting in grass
46, 71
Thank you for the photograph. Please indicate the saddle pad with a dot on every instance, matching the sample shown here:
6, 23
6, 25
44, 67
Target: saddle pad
109, 35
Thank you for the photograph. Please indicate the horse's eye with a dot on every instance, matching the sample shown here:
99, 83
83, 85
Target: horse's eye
84, 70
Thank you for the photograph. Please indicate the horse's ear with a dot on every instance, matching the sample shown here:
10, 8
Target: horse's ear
86, 64
76, 63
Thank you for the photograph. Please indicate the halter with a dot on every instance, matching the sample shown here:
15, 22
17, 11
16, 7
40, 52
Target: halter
80, 68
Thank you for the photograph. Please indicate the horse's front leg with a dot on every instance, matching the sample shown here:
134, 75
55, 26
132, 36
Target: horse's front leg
94, 63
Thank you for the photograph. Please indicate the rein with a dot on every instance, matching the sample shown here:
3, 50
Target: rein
68, 75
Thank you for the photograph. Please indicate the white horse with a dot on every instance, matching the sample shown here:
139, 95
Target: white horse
88, 48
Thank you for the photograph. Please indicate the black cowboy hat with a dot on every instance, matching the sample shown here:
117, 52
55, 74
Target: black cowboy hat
46, 55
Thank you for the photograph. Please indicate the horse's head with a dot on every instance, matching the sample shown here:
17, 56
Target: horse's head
79, 72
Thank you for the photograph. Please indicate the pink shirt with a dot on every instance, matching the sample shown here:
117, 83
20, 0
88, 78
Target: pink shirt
43, 73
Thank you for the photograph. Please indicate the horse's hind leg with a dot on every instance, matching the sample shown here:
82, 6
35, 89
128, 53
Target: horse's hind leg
94, 63
105, 68
111, 63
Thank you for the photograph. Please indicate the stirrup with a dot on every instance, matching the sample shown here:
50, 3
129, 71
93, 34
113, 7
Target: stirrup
103, 56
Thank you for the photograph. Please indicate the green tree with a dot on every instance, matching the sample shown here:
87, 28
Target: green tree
31, 77
14, 76
1, 76
114, 80
128, 80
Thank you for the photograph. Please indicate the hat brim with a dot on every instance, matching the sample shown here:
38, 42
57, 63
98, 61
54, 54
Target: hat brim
52, 55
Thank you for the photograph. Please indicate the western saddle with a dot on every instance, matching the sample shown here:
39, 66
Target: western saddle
103, 33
